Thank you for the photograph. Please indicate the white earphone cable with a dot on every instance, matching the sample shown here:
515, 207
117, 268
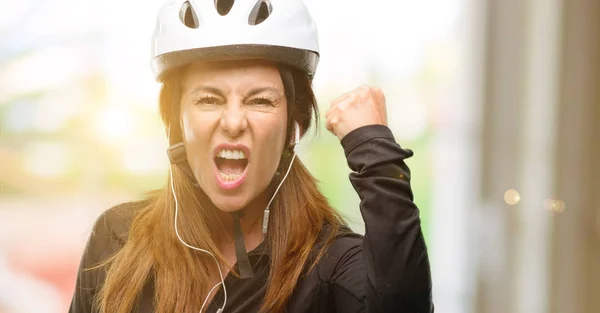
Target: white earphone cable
198, 249
265, 225
207, 296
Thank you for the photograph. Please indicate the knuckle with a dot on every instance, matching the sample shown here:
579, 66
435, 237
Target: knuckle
339, 99
371, 91
363, 90
380, 95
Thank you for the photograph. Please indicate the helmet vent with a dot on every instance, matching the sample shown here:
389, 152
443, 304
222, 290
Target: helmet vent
223, 6
261, 11
187, 15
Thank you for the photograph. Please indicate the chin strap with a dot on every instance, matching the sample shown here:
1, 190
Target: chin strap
243, 262
176, 150
177, 156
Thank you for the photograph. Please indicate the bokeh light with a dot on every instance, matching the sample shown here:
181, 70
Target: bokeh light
114, 123
554, 205
512, 197
48, 160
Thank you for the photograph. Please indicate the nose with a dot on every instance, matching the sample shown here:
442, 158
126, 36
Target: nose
233, 120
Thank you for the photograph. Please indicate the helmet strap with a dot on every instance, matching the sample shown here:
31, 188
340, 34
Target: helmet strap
243, 262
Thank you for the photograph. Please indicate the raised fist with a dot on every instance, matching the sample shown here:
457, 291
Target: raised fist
362, 106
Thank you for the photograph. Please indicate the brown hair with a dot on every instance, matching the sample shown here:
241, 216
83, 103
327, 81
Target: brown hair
180, 274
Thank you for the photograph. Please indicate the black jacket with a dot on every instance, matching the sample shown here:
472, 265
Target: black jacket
386, 271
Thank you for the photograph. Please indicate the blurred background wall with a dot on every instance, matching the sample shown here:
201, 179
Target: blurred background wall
498, 99
540, 141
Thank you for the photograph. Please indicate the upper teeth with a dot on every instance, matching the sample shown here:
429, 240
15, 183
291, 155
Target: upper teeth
231, 154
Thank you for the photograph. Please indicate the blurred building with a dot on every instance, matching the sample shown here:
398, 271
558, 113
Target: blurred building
540, 137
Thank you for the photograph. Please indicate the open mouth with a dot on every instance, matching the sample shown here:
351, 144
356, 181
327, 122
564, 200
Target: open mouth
231, 165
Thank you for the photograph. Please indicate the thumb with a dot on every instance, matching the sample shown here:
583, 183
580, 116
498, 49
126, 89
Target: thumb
329, 126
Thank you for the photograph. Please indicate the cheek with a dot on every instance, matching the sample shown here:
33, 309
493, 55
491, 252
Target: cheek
272, 145
196, 132
196, 125
276, 137
188, 130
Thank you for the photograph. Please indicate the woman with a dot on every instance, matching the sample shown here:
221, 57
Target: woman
242, 226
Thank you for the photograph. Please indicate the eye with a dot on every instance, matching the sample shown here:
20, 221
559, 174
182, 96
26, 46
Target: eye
261, 101
210, 100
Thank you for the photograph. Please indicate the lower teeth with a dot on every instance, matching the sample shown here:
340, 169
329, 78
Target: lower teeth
228, 177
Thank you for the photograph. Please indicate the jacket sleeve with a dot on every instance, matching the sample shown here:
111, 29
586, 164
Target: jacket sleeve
391, 268
102, 243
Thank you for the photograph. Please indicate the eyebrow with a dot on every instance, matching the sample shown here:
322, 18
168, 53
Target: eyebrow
209, 89
256, 91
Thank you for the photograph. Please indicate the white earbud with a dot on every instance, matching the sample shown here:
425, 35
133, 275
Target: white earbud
297, 132
296, 135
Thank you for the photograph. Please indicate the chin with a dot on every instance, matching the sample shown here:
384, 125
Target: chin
230, 203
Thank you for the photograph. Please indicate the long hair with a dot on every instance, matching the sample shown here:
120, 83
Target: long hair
181, 275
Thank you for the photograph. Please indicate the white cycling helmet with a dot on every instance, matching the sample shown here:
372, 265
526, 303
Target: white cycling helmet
282, 31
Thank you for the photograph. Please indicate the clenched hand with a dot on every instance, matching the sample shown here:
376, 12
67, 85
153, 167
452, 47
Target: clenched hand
362, 106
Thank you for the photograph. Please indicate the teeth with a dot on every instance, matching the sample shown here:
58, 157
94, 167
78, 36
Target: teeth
228, 177
232, 154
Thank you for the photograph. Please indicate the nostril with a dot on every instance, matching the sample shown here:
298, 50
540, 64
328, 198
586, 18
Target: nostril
261, 11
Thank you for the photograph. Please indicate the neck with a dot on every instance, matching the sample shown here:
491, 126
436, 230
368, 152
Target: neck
250, 222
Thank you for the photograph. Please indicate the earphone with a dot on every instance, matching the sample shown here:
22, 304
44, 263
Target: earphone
264, 226
198, 249
296, 135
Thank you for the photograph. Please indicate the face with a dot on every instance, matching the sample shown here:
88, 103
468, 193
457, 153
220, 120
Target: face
233, 121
